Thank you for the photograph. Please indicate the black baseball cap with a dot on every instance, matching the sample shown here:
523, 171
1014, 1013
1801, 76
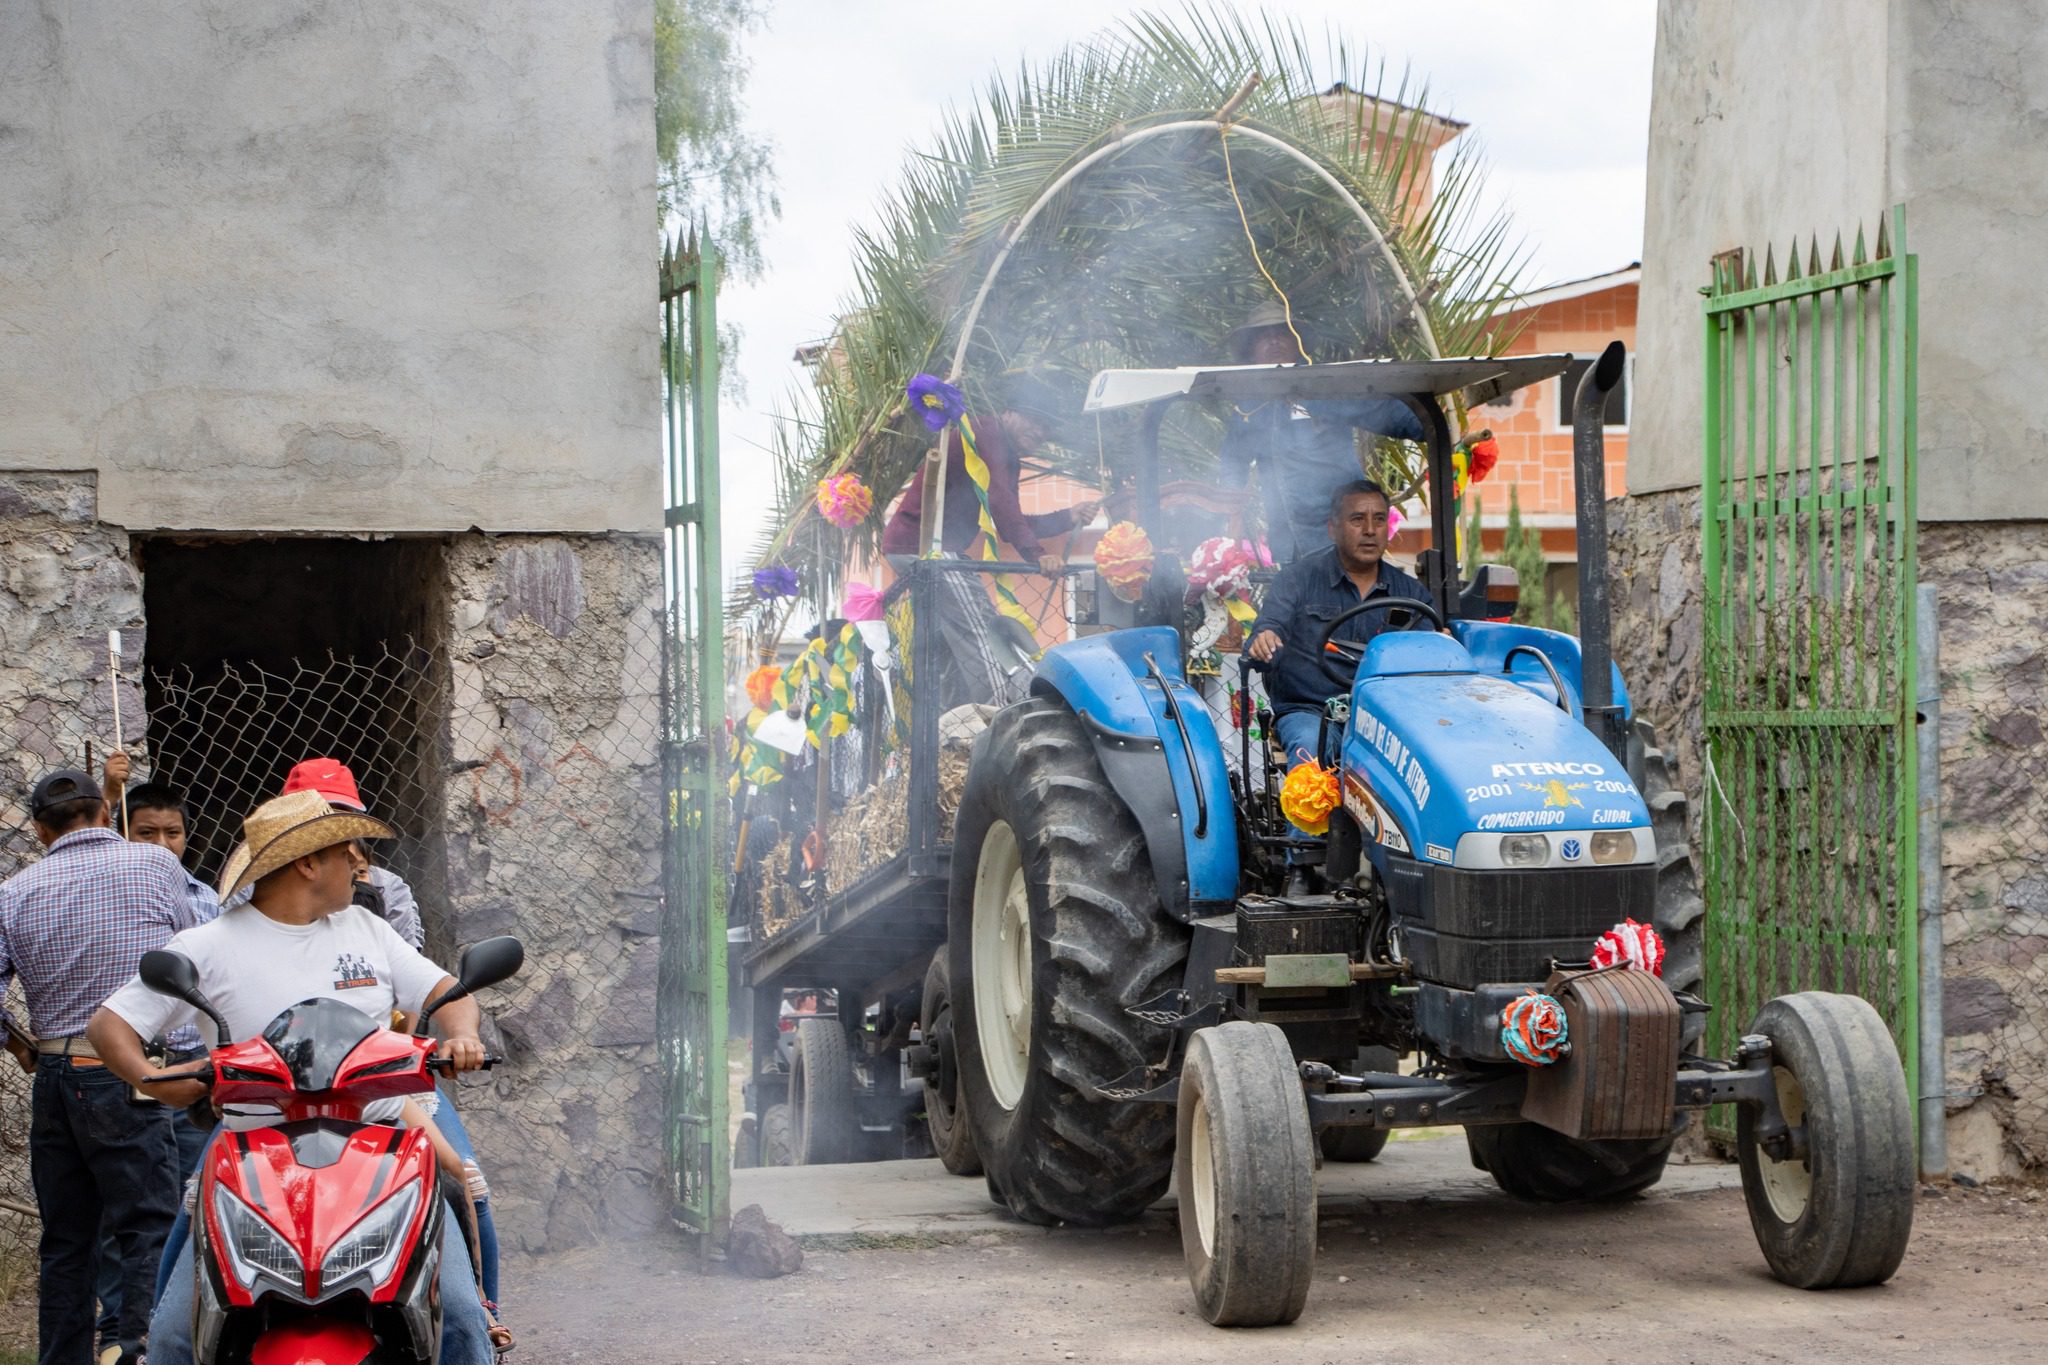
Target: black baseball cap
66, 784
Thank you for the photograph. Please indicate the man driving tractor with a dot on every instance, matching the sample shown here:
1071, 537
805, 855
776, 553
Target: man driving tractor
1308, 595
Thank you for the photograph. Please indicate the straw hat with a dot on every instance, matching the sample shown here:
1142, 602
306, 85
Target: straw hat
288, 827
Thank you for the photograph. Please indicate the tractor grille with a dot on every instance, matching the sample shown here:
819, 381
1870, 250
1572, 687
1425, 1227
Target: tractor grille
1463, 928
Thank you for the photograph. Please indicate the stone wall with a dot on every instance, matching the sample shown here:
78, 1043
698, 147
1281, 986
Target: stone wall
66, 579
553, 830
1992, 582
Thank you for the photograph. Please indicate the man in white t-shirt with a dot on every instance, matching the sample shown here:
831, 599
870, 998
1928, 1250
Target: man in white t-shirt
300, 938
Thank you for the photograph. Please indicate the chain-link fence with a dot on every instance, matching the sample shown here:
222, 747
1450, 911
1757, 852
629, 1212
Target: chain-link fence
523, 779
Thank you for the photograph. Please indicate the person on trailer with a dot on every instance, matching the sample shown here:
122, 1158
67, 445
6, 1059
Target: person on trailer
1304, 451
1309, 593
975, 667
300, 937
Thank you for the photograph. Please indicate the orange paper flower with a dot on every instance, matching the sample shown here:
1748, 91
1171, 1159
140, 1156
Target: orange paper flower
1308, 796
844, 500
761, 686
1124, 559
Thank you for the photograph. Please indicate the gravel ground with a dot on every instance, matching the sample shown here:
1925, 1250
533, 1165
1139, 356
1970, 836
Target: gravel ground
1672, 1278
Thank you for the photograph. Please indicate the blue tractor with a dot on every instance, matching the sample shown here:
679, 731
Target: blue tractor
1152, 976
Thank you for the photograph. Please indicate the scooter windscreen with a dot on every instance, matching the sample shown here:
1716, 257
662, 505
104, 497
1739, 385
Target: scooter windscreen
314, 1037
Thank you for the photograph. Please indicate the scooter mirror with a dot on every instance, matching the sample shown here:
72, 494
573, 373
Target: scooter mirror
491, 961
175, 975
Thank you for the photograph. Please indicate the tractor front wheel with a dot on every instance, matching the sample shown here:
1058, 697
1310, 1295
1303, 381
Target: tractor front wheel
944, 1115
1244, 1164
1836, 1209
821, 1113
1361, 1144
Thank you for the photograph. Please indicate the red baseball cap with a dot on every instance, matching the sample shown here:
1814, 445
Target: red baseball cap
328, 776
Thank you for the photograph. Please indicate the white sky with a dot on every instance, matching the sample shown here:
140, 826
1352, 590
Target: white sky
1557, 92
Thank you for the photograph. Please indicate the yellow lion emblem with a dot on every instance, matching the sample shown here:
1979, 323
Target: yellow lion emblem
1556, 793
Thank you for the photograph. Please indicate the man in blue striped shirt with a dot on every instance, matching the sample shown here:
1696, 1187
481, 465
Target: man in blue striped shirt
72, 927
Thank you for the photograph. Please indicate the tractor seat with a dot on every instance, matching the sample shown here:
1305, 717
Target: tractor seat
1396, 652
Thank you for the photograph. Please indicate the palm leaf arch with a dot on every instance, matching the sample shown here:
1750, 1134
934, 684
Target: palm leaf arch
1143, 257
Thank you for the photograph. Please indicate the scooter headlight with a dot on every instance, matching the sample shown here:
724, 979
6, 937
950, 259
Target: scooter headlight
374, 1244
254, 1247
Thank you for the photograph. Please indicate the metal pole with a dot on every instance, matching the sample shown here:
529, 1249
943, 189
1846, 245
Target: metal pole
1933, 1097
1589, 486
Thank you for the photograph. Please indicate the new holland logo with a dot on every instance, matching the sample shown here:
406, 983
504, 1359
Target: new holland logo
1571, 850
1556, 793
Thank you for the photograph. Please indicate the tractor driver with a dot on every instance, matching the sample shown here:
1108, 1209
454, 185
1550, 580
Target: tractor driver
1310, 593
1303, 450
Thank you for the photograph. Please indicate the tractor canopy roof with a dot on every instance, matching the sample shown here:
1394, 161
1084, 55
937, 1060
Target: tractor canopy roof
1481, 378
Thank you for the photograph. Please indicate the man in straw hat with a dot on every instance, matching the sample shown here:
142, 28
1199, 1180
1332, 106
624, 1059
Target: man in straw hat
299, 938
72, 927
1304, 451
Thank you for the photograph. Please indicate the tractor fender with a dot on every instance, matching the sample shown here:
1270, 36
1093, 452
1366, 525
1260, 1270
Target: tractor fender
1489, 643
1169, 771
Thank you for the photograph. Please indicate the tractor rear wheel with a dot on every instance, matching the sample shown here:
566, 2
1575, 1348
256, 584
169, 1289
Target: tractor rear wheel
1055, 930
1841, 1213
1245, 1168
952, 1138
778, 1147
1543, 1166
1679, 913
821, 1095
1361, 1144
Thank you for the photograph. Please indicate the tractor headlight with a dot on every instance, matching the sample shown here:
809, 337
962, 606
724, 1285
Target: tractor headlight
254, 1247
374, 1243
1524, 850
1614, 846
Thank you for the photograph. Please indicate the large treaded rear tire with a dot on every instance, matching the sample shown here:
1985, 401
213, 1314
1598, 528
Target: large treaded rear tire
1098, 942
1543, 1166
1679, 913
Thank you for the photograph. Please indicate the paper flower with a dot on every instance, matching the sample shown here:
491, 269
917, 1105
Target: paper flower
861, 603
1394, 520
1222, 566
1533, 1029
1485, 455
844, 500
777, 580
1631, 944
1308, 796
935, 401
1124, 559
761, 686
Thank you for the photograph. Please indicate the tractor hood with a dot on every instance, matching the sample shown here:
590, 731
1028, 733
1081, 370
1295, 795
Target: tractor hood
1442, 764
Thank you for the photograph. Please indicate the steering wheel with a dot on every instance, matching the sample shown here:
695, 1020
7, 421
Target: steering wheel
1329, 650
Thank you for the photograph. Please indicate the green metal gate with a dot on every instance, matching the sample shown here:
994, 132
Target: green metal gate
1810, 564
690, 1011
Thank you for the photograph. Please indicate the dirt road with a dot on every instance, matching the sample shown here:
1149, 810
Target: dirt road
1668, 1278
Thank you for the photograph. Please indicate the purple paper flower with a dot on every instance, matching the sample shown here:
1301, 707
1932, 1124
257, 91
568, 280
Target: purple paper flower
936, 401
779, 581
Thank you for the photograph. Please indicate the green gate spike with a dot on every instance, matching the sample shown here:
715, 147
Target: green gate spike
1835, 261
1884, 239
1770, 266
1813, 254
1862, 255
1792, 262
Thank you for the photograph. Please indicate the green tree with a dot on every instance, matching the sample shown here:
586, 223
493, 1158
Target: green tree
1522, 551
711, 170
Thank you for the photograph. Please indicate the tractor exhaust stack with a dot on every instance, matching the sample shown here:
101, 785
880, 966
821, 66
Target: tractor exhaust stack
1589, 479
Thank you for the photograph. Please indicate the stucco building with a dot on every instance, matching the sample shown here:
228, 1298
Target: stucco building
329, 376
1775, 122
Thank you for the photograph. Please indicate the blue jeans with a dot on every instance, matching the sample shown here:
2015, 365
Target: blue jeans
465, 1333
92, 1155
191, 1140
450, 1124
1298, 732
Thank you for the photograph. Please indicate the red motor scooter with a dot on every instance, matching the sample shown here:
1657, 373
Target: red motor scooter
317, 1239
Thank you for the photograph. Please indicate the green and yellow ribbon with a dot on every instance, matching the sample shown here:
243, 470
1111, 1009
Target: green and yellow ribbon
1006, 585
